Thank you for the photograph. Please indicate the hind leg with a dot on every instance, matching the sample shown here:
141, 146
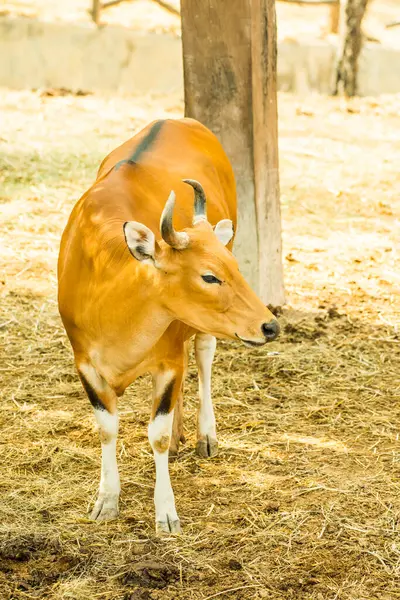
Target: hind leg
177, 428
178, 435
207, 444
104, 402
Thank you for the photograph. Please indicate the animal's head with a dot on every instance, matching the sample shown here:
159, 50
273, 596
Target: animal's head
198, 278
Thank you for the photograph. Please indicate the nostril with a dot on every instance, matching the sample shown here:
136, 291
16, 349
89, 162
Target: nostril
270, 330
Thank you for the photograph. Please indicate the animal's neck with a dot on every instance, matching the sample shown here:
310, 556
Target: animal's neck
149, 323
132, 351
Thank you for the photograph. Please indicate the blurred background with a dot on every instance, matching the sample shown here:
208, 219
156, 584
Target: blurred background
62, 47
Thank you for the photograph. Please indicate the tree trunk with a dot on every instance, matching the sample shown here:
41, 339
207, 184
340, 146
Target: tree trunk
96, 6
334, 14
229, 55
352, 13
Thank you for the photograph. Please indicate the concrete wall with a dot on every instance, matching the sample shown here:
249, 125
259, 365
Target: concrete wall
110, 59
34, 54
305, 67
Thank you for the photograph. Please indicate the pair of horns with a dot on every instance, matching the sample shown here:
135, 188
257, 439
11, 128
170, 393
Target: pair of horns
178, 239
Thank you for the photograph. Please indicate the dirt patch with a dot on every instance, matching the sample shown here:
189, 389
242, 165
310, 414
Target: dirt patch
23, 547
150, 574
34, 561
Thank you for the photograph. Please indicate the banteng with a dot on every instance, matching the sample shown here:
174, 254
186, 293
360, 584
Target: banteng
134, 287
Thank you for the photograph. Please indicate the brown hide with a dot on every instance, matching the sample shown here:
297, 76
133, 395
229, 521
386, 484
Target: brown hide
109, 302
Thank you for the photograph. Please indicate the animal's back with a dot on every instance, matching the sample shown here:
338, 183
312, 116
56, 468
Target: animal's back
156, 160
132, 184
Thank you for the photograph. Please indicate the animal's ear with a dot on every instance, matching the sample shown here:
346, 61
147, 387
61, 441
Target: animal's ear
224, 231
141, 241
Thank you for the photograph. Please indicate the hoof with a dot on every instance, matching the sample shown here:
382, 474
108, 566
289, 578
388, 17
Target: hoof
105, 509
168, 527
207, 447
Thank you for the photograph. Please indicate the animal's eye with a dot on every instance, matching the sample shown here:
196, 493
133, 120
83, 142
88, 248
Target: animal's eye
210, 279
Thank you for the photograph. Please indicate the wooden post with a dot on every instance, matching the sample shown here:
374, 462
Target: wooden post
352, 13
229, 55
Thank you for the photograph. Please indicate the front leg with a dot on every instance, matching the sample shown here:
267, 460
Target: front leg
207, 444
166, 388
104, 402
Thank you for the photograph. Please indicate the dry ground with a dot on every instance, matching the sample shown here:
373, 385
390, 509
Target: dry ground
294, 21
304, 500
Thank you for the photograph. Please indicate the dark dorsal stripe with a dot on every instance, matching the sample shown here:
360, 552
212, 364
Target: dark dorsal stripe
143, 146
165, 403
91, 393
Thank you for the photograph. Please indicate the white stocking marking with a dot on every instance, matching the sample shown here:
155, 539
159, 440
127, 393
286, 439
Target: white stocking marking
160, 430
108, 429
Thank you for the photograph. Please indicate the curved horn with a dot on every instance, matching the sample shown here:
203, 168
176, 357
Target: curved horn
200, 200
175, 239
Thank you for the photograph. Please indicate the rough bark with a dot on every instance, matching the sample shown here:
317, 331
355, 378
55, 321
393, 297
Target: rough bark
265, 151
229, 53
350, 45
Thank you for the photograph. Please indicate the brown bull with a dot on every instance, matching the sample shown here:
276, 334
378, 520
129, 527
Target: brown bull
133, 290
